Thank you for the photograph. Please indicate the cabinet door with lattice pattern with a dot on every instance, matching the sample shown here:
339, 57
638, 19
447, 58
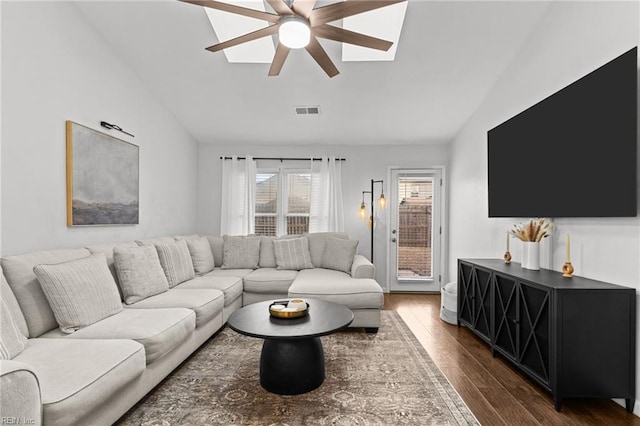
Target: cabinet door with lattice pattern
534, 330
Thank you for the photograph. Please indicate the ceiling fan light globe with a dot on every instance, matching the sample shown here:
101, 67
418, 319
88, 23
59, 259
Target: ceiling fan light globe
294, 32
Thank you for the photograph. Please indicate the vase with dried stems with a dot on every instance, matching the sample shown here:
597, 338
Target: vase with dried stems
531, 233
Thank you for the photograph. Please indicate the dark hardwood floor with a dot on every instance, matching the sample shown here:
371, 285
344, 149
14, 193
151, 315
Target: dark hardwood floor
494, 391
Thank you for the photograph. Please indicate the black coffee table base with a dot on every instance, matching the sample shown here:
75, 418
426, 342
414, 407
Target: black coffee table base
292, 367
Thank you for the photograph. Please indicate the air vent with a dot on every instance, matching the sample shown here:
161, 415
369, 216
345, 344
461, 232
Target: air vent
307, 110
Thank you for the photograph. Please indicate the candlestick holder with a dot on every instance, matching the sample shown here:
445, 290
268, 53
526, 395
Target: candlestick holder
507, 257
567, 270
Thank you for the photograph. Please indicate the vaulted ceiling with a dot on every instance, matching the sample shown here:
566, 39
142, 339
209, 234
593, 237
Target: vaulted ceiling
449, 55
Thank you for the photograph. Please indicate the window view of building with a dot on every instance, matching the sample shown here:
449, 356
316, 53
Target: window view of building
282, 203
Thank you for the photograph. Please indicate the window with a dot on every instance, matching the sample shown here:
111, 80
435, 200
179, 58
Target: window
282, 202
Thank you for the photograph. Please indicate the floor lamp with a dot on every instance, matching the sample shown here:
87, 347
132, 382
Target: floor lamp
382, 203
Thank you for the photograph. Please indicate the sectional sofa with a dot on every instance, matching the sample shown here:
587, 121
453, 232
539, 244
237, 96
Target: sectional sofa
87, 332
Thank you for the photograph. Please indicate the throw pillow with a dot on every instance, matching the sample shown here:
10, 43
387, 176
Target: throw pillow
12, 342
293, 253
176, 262
317, 243
268, 252
80, 292
240, 252
201, 255
339, 253
139, 272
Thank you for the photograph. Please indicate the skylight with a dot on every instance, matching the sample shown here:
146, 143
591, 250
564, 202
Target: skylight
228, 26
385, 23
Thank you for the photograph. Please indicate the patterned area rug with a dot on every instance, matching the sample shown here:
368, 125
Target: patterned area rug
371, 379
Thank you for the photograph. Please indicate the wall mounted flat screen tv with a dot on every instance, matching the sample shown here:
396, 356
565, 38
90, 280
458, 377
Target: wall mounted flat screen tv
573, 154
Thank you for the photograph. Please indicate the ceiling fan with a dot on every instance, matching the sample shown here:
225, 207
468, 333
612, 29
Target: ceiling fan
298, 24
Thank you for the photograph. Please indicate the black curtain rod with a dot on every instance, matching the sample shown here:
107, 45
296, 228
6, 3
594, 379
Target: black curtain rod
280, 159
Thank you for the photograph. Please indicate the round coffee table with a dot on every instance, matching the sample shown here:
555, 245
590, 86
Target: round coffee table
292, 360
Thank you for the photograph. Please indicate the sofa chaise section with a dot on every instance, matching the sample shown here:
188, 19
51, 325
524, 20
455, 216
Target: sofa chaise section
362, 295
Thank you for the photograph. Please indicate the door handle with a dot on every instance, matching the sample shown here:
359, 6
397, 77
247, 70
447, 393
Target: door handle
393, 240
393, 231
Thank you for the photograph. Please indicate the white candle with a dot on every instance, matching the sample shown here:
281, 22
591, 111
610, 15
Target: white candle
507, 240
568, 250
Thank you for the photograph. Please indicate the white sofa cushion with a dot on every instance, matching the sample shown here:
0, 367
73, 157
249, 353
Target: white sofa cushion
207, 304
201, 255
269, 281
337, 287
339, 254
154, 241
18, 269
240, 252
216, 243
230, 286
176, 261
12, 341
80, 292
75, 375
293, 254
158, 330
140, 272
267, 257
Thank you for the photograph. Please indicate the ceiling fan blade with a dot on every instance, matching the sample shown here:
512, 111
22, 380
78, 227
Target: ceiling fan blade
282, 52
340, 34
347, 8
320, 55
303, 7
238, 10
262, 32
280, 7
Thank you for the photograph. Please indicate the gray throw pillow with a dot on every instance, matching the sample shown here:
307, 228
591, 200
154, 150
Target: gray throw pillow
241, 252
176, 262
201, 255
317, 243
80, 292
339, 253
12, 342
268, 252
139, 272
293, 253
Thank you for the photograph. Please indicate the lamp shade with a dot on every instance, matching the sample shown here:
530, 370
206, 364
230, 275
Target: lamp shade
294, 32
363, 211
382, 202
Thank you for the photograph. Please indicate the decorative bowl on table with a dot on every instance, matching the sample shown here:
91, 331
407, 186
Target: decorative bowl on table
289, 309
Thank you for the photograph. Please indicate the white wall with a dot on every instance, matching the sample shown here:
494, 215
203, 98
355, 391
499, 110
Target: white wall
363, 163
56, 67
573, 39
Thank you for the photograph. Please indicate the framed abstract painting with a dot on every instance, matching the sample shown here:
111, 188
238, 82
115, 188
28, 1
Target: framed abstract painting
102, 178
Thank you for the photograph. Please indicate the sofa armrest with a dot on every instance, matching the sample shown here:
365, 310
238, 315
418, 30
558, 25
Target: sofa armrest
20, 397
362, 268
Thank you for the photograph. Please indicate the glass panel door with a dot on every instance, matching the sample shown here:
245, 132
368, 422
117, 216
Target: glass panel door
415, 230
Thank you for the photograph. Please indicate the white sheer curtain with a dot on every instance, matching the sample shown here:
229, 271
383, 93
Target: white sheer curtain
237, 204
326, 210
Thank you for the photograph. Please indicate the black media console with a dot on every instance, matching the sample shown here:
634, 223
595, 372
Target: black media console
576, 337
